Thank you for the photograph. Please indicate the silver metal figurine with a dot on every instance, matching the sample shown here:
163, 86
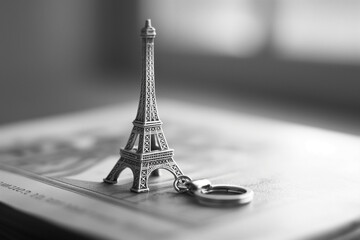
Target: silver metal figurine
147, 150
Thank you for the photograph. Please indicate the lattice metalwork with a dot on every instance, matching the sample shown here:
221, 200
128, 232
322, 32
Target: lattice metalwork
140, 153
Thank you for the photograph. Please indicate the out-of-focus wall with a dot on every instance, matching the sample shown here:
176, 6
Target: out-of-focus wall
302, 50
59, 56
51, 52
322, 30
218, 28
38, 36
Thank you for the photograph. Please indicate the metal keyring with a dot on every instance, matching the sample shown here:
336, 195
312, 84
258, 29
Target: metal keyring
224, 195
213, 195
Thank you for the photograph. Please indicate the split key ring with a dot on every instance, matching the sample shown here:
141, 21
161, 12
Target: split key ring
214, 195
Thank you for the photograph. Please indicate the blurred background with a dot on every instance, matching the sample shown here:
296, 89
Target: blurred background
298, 60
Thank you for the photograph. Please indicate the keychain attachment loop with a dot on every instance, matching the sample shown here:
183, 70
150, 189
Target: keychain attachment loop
180, 184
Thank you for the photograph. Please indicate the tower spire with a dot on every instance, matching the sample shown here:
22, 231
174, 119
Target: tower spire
147, 113
147, 150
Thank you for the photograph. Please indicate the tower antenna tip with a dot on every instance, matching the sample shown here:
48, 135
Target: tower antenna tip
148, 23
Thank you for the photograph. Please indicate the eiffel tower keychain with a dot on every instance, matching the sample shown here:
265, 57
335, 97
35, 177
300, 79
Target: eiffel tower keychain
147, 150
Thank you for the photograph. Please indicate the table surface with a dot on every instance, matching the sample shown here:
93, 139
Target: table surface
305, 179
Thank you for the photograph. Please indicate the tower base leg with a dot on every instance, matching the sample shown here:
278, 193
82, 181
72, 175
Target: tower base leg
115, 172
109, 181
136, 190
142, 172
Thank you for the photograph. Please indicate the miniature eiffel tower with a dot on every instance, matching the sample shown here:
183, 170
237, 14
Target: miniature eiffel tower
147, 150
